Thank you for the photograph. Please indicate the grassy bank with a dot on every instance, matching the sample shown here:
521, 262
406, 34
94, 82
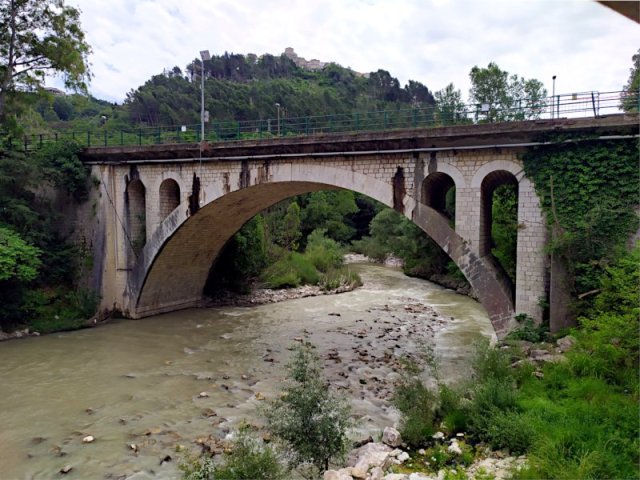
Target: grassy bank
575, 416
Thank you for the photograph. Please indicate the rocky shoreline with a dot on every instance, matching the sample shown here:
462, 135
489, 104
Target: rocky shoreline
262, 296
384, 460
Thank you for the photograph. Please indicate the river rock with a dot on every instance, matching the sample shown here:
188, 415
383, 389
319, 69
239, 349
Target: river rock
203, 395
359, 473
438, 436
391, 437
454, 448
369, 456
209, 412
403, 457
566, 343
395, 476
88, 439
66, 469
421, 476
376, 474
342, 474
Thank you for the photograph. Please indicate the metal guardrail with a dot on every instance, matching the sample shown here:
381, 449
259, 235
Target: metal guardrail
573, 105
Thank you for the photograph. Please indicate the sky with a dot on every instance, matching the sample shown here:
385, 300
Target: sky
587, 46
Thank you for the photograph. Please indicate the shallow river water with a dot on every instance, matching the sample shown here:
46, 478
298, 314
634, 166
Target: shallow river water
139, 382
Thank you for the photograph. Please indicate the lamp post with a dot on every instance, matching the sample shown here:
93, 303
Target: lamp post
204, 56
278, 107
553, 95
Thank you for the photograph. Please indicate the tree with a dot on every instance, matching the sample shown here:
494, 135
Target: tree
38, 37
19, 261
19, 265
502, 97
308, 418
449, 106
631, 91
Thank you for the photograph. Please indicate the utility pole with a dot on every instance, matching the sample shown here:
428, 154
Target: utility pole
553, 96
204, 56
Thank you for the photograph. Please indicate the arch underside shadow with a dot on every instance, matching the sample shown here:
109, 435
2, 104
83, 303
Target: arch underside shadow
174, 266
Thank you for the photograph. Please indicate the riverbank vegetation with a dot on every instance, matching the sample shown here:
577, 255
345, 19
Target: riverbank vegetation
574, 416
42, 265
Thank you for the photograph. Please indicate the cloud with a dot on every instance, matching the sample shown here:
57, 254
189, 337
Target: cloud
433, 41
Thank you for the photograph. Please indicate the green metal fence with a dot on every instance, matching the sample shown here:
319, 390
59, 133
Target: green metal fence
575, 105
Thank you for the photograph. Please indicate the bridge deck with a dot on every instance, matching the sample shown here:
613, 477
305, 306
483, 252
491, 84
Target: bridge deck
414, 139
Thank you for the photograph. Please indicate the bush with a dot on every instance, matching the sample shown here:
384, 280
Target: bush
527, 330
308, 418
249, 459
335, 278
510, 430
197, 468
489, 362
451, 411
417, 405
324, 253
371, 248
290, 271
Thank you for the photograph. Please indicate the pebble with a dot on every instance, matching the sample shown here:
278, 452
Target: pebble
203, 395
88, 439
66, 469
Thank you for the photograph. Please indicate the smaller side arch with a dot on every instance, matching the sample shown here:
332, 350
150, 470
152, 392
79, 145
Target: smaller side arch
437, 194
169, 198
487, 168
453, 172
135, 215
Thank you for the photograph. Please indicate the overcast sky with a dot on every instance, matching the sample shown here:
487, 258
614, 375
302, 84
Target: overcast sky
588, 46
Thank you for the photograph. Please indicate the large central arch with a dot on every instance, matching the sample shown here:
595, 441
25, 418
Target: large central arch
172, 269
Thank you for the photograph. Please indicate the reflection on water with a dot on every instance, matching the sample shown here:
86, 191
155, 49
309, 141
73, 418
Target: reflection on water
139, 381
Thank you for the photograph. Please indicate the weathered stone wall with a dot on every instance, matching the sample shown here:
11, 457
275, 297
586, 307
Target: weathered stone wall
171, 270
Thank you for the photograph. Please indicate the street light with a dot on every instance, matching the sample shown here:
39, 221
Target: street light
204, 56
278, 107
553, 95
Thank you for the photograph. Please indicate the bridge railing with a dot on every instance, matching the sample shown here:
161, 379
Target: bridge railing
574, 105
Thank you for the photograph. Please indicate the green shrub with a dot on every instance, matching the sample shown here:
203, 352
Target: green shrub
454, 415
324, 253
527, 330
197, 468
417, 405
510, 430
59, 310
249, 459
308, 418
291, 270
371, 248
490, 362
338, 277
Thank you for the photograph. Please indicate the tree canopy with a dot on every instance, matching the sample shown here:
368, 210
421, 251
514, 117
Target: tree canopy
38, 37
500, 96
632, 88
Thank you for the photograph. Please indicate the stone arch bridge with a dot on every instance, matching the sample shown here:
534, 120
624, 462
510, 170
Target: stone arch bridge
166, 211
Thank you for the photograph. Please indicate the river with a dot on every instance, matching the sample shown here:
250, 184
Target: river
139, 382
